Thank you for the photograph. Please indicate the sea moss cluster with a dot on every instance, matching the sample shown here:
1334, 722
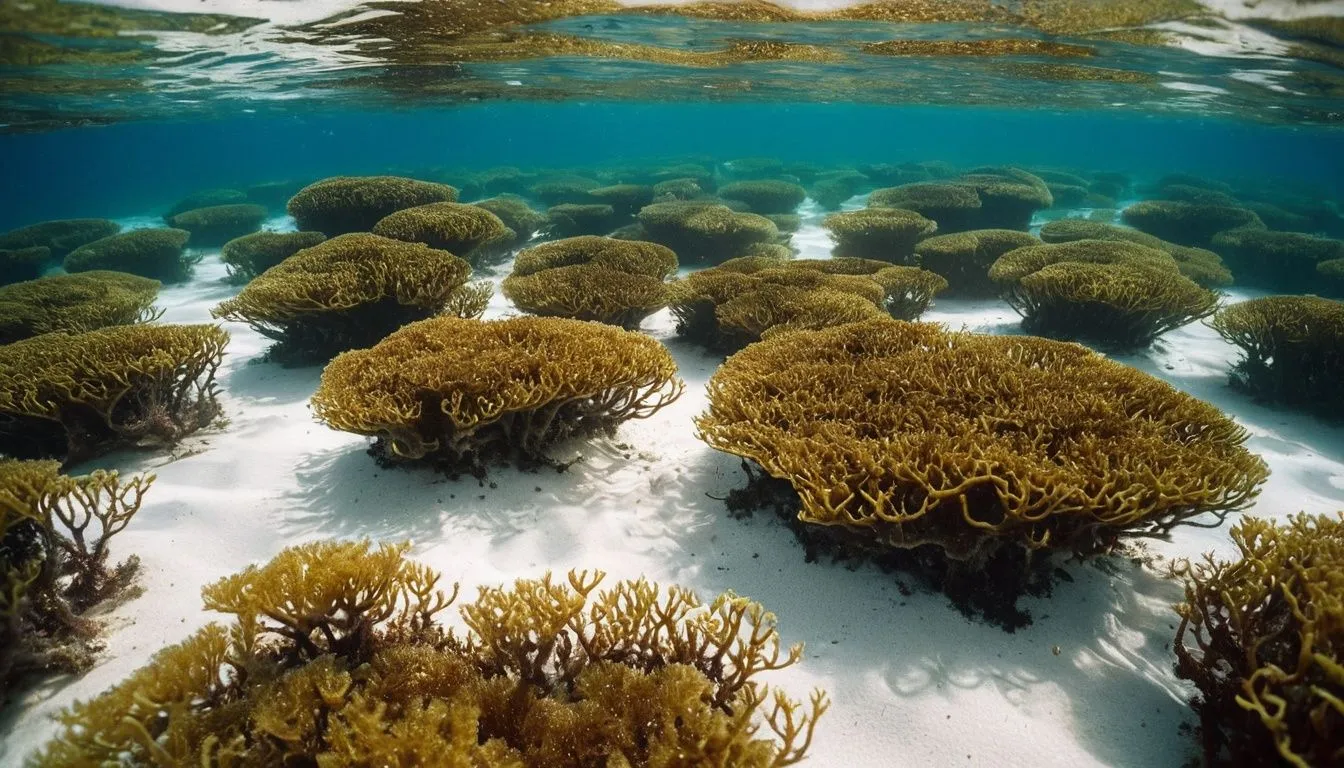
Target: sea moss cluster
705, 232
985, 198
885, 234
1200, 265
462, 393
250, 255
1292, 349
984, 450
964, 258
1184, 223
19, 264
75, 396
75, 303
54, 564
745, 299
1262, 639
155, 253
470, 232
1112, 292
336, 655
344, 204
61, 236
218, 224
350, 291
619, 282
765, 196
1278, 261
516, 214
953, 207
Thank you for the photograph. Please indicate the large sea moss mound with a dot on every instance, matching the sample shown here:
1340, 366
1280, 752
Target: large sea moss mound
1193, 224
250, 255
1292, 350
1114, 293
349, 291
619, 282
730, 306
74, 396
705, 232
54, 534
885, 234
343, 204
18, 264
1203, 266
1262, 639
1008, 196
75, 303
765, 196
61, 235
965, 456
461, 393
953, 207
155, 253
468, 231
1279, 261
218, 224
576, 219
206, 198
625, 199
352, 665
963, 259
516, 214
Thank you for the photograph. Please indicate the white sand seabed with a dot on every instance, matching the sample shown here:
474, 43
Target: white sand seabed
913, 682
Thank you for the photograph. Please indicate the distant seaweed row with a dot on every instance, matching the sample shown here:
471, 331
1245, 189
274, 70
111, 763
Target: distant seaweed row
966, 459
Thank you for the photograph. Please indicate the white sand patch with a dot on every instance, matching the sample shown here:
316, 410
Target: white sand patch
914, 682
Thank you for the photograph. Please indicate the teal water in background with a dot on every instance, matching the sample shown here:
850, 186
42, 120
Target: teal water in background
139, 167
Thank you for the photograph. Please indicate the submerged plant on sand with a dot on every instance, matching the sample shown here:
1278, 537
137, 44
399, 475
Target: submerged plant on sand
60, 236
620, 282
461, 393
469, 232
336, 655
1292, 349
74, 396
964, 258
75, 303
705, 232
217, 225
155, 253
884, 234
1262, 639
351, 291
54, 534
250, 255
1111, 292
343, 204
985, 451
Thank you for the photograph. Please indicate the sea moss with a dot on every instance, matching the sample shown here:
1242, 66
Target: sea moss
75, 303
1292, 350
732, 305
954, 208
677, 189
1279, 261
469, 232
1114, 293
1262, 639
982, 455
573, 219
625, 199
206, 198
75, 396
516, 214
343, 204
765, 196
155, 253
1008, 196
964, 258
19, 264
833, 188
54, 534
463, 393
705, 232
337, 655
618, 282
563, 189
217, 225
250, 255
61, 236
1193, 224
885, 234
1201, 265
349, 291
